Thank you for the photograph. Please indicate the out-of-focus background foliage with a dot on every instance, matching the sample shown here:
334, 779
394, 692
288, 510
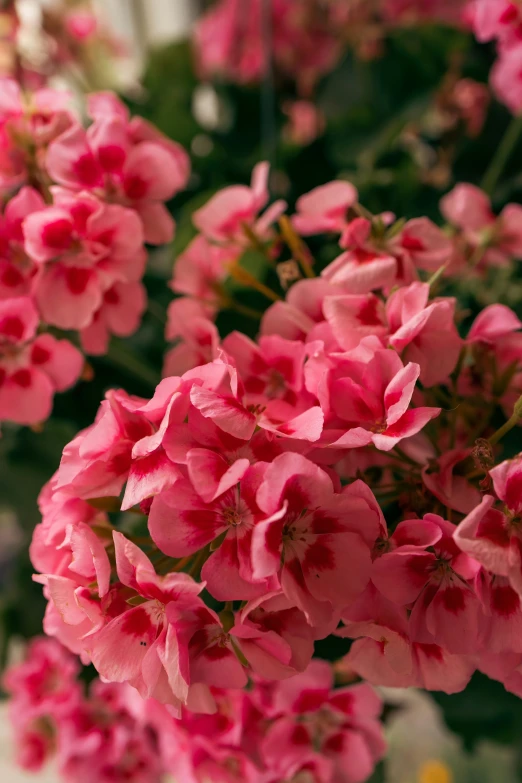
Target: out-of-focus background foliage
385, 131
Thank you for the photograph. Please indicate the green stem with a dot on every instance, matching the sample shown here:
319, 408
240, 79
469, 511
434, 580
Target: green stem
502, 155
157, 311
510, 423
122, 357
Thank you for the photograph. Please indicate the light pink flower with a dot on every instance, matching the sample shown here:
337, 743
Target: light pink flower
325, 208
120, 314
222, 219
82, 247
500, 238
31, 368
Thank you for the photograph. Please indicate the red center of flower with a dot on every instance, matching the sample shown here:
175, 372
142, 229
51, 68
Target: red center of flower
40, 355
12, 277
111, 157
12, 327
58, 235
111, 297
135, 187
77, 280
409, 242
86, 170
22, 378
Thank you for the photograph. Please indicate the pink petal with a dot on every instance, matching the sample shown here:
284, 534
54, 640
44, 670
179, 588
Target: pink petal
211, 474
227, 413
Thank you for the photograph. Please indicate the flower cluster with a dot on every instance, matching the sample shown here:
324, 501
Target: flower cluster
325, 478
80, 206
303, 38
273, 732
501, 21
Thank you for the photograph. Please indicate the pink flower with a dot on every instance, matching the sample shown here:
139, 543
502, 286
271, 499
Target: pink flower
27, 125
336, 732
131, 161
384, 652
142, 645
229, 43
200, 269
442, 479
325, 208
368, 402
16, 268
120, 314
445, 608
421, 244
495, 19
82, 247
96, 463
44, 682
311, 535
491, 536
272, 372
223, 218
31, 368
195, 335
500, 238
424, 332
305, 124
181, 523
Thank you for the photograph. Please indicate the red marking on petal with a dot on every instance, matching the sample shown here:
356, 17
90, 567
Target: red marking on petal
453, 599
513, 492
362, 256
409, 242
40, 355
105, 237
12, 277
135, 187
504, 600
334, 744
120, 463
77, 280
296, 496
309, 701
273, 538
58, 235
2, 376
111, 157
22, 378
368, 314
509, 14
136, 623
12, 326
322, 523
492, 527
294, 568
420, 565
300, 735
216, 652
393, 397
80, 213
86, 170
432, 651
111, 297
319, 557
